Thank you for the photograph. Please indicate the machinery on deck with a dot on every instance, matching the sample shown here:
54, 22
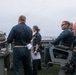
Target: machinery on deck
62, 56
4, 54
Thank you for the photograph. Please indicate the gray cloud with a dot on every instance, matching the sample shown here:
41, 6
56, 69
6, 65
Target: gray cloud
47, 14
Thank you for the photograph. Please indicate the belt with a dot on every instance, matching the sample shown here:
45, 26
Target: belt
74, 50
20, 46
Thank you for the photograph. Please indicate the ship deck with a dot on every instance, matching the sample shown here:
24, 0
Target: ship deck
51, 71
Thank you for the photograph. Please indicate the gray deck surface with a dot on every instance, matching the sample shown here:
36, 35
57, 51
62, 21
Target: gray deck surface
51, 71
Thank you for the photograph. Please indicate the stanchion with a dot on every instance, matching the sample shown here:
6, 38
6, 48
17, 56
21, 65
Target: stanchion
2, 72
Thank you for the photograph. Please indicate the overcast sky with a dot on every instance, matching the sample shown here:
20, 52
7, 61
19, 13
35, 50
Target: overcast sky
47, 14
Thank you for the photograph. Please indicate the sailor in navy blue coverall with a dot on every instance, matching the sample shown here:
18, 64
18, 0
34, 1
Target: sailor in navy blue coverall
66, 38
73, 59
36, 44
21, 34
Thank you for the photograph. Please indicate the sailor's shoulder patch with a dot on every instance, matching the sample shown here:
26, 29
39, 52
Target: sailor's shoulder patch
34, 37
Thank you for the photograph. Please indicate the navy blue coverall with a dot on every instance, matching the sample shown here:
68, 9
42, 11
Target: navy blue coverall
21, 34
74, 53
37, 62
66, 38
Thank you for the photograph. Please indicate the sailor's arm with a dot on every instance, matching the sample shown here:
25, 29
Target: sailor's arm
37, 44
11, 35
63, 35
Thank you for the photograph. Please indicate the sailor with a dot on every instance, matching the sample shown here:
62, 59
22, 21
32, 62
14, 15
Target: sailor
73, 59
65, 39
36, 44
71, 25
21, 34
